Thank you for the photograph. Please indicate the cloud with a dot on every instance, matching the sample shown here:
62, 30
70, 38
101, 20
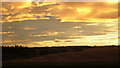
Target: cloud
86, 11
12, 41
108, 15
6, 32
48, 34
28, 28
15, 5
66, 11
37, 22
51, 29
15, 11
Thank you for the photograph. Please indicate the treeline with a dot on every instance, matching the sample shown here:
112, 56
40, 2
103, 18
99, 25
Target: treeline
26, 52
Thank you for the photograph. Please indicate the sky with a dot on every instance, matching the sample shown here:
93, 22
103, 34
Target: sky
47, 24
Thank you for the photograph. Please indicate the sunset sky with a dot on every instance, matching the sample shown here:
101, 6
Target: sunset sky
43, 24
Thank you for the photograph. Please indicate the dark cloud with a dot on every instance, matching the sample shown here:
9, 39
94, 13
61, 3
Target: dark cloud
50, 29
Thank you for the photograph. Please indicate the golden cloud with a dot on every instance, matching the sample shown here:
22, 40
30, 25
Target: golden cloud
86, 11
6, 32
67, 11
15, 5
29, 28
48, 34
12, 35
12, 41
90, 13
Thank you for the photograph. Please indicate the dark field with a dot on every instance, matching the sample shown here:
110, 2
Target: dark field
82, 56
16, 52
110, 65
